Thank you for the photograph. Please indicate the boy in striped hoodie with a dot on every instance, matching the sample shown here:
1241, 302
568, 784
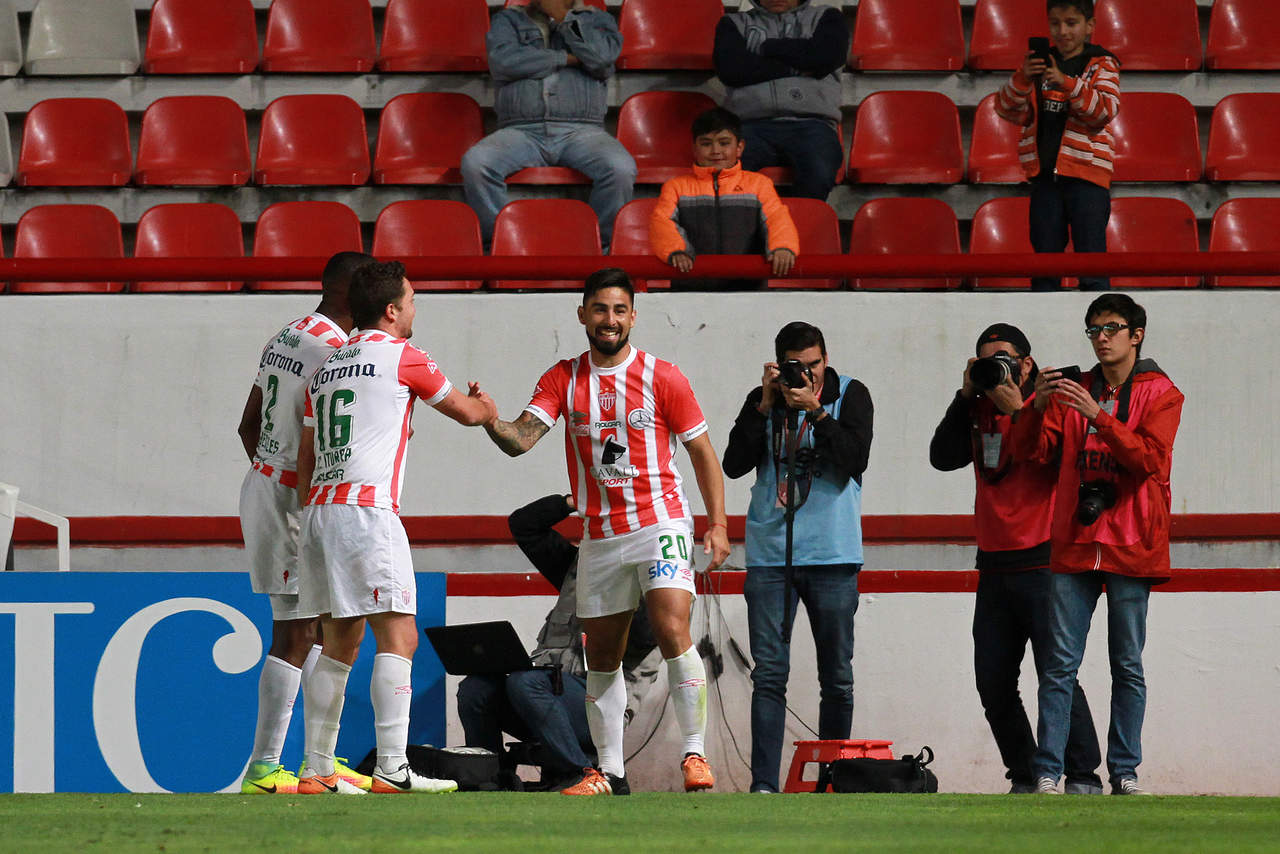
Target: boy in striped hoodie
1064, 106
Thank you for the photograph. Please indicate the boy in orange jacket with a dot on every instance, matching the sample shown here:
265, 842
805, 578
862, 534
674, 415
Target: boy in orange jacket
721, 209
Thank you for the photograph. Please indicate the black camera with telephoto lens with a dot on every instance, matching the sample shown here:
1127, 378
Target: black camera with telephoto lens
990, 371
1095, 496
795, 373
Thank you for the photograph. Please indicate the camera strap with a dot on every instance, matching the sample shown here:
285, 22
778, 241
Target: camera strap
1100, 392
785, 443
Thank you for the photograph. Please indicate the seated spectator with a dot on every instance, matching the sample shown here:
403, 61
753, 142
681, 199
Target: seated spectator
525, 704
721, 209
550, 60
780, 63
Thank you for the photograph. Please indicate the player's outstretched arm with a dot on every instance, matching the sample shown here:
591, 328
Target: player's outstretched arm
250, 428
306, 463
516, 437
706, 468
471, 409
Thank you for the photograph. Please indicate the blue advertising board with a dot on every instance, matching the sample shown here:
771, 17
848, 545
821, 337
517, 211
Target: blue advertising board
148, 681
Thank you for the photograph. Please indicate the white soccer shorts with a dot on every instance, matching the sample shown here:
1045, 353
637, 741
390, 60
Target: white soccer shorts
269, 519
355, 561
613, 573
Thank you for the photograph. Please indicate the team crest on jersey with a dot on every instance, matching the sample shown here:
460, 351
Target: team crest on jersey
607, 399
640, 419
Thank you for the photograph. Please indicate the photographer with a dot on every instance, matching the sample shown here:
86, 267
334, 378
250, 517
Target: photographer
801, 404
1110, 435
1013, 506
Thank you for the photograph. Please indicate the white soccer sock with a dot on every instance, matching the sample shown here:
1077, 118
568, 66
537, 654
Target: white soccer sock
606, 706
687, 681
391, 692
313, 655
323, 695
277, 689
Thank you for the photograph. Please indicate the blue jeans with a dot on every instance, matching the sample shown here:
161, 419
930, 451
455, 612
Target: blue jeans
1073, 599
577, 145
1060, 204
830, 596
524, 705
1011, 608
809, 146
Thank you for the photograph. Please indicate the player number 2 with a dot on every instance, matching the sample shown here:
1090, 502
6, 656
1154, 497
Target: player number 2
333, 430
671, 544
273, 389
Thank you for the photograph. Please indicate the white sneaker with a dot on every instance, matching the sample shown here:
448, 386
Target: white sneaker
405, 780
1128, 786
1046, 786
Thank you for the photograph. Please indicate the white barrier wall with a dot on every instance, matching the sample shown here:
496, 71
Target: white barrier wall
128, 405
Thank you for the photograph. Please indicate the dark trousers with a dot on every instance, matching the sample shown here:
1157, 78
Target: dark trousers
1010, 609
524, 705
1062, 207
809, 146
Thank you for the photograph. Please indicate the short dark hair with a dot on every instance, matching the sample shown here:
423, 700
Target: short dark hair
1085, 7
336, 278
1121, 304
798, 335
715, 120
608, 277
374, 286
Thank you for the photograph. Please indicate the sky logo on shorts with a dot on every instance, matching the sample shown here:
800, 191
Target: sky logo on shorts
662, 569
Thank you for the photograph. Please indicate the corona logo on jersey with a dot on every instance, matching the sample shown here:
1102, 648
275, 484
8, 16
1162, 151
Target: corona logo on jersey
148, 681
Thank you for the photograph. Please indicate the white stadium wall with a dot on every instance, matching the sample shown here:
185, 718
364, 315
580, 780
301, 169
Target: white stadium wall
127, 406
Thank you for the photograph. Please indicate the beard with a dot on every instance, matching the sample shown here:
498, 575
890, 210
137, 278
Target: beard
609, 348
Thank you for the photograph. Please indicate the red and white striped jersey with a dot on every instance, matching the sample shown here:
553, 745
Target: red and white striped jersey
286, 366
360, 404
621, 426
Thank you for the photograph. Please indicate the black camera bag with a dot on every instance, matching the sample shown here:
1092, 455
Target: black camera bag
907, 774
473, 768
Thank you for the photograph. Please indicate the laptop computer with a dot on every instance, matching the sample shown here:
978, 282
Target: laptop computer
478, 649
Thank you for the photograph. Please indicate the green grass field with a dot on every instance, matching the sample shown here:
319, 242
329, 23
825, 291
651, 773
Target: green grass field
655, 822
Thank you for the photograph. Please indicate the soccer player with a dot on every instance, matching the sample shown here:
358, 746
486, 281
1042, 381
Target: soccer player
354, 558
270, 429
624, 409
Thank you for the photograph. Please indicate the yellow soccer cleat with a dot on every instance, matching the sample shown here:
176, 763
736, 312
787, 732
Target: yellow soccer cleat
263, 778
351, 775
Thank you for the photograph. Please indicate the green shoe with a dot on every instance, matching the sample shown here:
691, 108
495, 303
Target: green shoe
263, 778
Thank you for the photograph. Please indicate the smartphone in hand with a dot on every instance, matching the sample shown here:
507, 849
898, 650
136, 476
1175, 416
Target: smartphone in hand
1039, 47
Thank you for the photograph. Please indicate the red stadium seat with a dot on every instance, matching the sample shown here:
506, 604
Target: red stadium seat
188, 231
599, 4
1244, 138
1244, 35
1002, 226
908, 35
654, 127
313, 139
429, 227
331, 36
631, 237
1152, 225
904, 226
906, 138
68, 231
75, 142
819, 230
1246, 225
434, 35
422, 137
304, 230
1000, 32
199, 37
993, 147
655, 38
1163, 37
531, 227
1157, 138
193, 141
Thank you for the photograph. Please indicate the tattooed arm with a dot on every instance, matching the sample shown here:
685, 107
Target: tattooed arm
516, 437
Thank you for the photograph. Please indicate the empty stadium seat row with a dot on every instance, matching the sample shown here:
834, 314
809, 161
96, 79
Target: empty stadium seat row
338, 36
910, 137
908, 226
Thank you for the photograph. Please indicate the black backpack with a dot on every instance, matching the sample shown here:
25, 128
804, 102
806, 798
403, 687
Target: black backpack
907, 774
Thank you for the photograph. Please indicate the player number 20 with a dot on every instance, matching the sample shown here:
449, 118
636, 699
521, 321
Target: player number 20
672, 544
333, 430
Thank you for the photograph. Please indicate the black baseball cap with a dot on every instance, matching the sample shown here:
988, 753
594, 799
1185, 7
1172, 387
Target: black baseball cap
1005, 332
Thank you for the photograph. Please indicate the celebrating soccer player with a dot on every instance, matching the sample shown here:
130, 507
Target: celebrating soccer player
355, 557
624, 409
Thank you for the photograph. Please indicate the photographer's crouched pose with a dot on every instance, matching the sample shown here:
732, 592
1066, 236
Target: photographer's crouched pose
805, 405
1111, 435
1013, 507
